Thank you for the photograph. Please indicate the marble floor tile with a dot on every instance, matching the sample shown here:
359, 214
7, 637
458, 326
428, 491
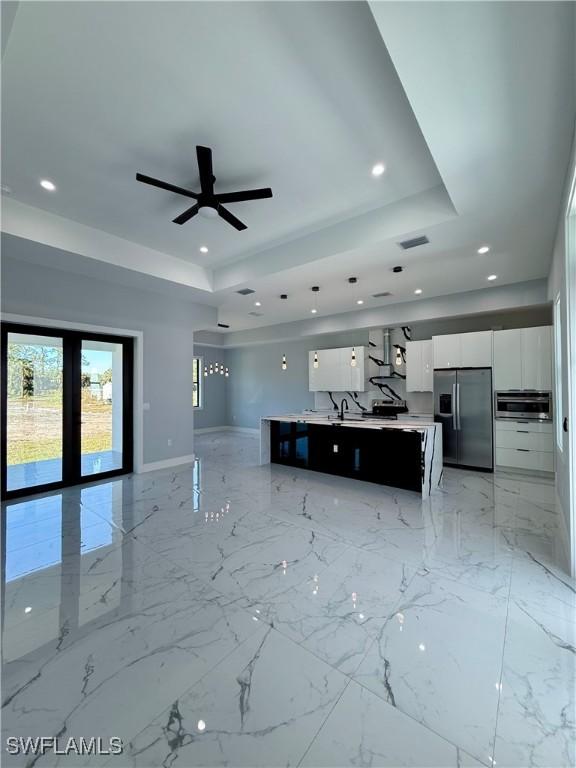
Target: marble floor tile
337, 613
537, 712
444, 642
110, 677
363, 730
226, 613
262, 706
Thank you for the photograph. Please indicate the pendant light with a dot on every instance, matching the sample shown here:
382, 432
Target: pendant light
316, 363
217, 367
284, 363
398, 357
353, 358
315, 290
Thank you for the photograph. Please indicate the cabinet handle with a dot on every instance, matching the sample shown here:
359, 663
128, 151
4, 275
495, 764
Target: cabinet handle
523, 431
524, 450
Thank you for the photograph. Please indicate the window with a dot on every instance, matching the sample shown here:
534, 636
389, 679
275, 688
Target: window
558, 371
197, 382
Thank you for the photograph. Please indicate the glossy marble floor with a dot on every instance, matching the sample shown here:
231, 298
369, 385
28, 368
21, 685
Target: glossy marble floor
231, 614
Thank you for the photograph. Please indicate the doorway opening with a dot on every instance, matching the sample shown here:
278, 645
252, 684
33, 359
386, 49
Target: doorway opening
67, 408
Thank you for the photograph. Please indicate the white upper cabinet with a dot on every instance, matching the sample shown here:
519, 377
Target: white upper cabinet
334, 372
476, 349
537, 358
419, 366
427, 365
507, 359
523, 358
447, 351
463, 350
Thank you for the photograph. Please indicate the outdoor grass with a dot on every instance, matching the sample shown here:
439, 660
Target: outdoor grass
34, 428
25, 451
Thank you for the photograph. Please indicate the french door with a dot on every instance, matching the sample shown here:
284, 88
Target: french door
66, 408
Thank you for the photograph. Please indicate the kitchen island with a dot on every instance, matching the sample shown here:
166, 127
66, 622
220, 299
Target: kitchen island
404, 453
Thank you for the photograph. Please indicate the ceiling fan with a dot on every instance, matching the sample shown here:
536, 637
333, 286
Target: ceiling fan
207, 202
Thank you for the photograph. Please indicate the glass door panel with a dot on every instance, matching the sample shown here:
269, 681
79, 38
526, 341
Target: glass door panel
34, 410
102, 408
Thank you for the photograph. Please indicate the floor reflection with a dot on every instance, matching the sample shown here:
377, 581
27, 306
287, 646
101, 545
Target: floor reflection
67, 561
63, 566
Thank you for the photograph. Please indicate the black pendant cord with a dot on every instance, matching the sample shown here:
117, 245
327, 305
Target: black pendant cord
334, 403
354, 396
407, 331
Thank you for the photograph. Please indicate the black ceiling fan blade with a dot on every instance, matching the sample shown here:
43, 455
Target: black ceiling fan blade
204, 155
183, 218
248, 194
164, 185
230, 218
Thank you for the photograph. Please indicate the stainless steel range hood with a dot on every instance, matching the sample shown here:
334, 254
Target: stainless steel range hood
380, 354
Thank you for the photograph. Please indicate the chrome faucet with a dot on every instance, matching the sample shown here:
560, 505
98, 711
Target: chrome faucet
342, 408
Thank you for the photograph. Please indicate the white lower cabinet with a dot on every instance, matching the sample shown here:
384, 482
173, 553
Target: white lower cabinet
525, 445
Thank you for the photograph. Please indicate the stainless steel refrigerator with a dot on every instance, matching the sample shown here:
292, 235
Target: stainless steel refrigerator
463, 405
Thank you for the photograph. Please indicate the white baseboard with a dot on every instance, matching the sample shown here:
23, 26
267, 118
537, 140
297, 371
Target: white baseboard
167, 463
243, 430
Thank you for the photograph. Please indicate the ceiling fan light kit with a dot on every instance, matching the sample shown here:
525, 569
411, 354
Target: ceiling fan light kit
208, 204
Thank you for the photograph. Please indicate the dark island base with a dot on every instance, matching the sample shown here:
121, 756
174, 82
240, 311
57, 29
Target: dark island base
386, 457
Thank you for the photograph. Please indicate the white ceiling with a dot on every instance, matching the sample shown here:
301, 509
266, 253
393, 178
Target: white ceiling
470, 105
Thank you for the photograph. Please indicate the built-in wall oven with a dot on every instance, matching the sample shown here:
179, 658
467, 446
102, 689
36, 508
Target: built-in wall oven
523, 404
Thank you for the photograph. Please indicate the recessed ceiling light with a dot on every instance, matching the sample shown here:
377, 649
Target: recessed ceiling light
203, 249
257, 303
492, 277
484, 249
359, 301
378, 169
418, 291
48, 185
313, 311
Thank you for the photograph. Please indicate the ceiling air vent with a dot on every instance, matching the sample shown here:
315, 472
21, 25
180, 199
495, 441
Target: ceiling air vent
414, 242
256, 314
381, 295
245, 291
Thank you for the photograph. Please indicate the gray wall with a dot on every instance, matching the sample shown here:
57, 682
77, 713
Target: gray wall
259, 387
212, 412
167, 325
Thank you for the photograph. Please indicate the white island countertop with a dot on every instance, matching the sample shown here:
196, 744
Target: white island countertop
363, 422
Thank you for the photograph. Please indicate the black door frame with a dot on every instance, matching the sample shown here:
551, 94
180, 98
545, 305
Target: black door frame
71, 406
